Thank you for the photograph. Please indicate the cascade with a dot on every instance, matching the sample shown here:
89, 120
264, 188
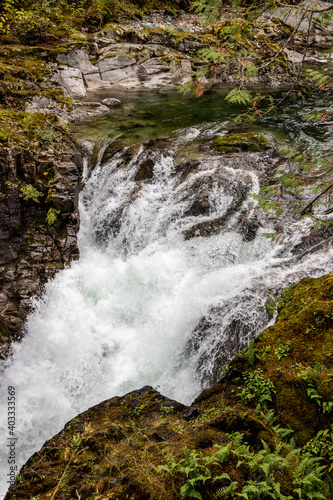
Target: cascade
153, 299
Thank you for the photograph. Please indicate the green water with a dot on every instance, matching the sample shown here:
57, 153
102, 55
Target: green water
147, 115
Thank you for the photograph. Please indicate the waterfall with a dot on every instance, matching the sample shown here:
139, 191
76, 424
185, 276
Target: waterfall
128, 313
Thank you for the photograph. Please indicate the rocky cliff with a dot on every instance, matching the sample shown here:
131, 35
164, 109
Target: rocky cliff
38, 224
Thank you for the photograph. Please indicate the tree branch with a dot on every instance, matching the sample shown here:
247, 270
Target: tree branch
309, 205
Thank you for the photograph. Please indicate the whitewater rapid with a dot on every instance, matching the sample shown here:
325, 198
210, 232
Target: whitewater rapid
122, 316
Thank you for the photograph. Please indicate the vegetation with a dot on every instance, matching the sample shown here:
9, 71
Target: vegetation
51, 19
250, 141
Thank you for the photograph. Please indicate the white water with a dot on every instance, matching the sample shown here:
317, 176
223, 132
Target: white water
121, 316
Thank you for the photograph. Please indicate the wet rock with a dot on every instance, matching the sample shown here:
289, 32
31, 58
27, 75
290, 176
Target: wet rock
112, 102
145, 170
249, 229
31, 250
192, 412
250, 141
84, 110
225, 331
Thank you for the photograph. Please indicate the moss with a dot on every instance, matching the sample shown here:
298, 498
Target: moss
250, 141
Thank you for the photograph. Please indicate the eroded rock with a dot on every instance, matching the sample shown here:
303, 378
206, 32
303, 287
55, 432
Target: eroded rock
31, 249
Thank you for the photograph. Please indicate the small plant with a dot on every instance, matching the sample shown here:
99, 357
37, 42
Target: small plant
249, 353
271, 421
239, 96
322, 445
271, 306
282, 350
140, 409
310, 376
52, 216
28, 192
76, 443
46, 134
257, 387
170, 30
63, 485
226, 370
167, 409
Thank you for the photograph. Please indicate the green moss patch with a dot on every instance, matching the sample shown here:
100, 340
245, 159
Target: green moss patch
250, 141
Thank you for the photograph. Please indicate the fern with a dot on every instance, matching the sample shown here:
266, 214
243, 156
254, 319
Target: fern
227, 491
239, 96
28, 192
250, 69
318, 78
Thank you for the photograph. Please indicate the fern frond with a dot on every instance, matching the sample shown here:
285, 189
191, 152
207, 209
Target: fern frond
239, 96
227, 491
317, 77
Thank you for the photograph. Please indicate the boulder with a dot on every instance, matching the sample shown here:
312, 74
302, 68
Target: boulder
249, 141
112, 102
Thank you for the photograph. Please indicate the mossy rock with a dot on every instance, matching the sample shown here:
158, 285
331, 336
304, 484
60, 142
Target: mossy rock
9, 39
250, 141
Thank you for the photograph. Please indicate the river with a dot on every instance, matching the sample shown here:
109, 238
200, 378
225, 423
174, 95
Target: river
131, 311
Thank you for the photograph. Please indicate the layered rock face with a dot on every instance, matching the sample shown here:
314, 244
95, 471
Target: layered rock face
146, 62
38, 226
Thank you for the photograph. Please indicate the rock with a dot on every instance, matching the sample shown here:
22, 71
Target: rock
78, 58
293, 56
31, 251
72, 80
250, 141
154, 66
116, 62
145, 170
112, 102
118, 75
192, 412
84, 110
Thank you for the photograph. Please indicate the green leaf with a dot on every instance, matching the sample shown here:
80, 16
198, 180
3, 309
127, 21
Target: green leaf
239, 96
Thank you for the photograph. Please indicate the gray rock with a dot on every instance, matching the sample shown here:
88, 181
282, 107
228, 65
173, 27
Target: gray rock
78, 58
93, 82
113, 63
153, 66
72, 80
87, 109
112, 102
117, 75
293, 56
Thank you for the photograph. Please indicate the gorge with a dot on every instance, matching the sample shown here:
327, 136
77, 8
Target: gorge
174, 278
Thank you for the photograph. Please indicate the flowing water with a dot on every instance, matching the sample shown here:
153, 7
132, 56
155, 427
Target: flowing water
152, 300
